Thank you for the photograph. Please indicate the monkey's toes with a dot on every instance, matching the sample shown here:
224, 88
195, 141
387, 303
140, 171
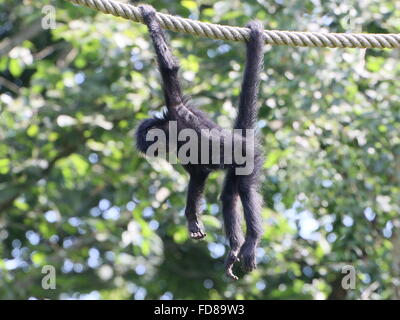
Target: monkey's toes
195, 231
198, 235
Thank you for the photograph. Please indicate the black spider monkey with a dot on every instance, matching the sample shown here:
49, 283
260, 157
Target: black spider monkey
186, 116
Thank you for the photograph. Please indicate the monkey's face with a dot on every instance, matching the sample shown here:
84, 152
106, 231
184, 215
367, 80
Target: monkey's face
144, 137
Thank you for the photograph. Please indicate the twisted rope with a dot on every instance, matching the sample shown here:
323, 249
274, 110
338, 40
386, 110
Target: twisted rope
222, 32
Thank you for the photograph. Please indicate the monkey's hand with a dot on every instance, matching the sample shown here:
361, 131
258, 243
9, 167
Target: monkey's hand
148, 12
256, 29
196, 231
149, 17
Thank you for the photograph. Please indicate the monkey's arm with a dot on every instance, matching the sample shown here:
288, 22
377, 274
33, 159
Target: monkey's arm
166, 61
247, 114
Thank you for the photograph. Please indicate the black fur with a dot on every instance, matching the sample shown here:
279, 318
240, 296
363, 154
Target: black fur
235, 186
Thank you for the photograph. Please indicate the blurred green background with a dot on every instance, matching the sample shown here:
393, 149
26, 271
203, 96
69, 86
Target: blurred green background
76, 195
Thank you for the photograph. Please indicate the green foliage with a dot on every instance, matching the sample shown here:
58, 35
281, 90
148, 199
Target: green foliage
75, 194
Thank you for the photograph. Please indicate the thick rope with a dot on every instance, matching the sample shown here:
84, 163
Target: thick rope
222, 32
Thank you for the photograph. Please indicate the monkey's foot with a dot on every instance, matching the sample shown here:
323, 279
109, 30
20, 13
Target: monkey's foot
198, 235
248, 257
195, 231
230, 261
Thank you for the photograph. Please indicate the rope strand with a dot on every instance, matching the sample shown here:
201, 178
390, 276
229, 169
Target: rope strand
223, 32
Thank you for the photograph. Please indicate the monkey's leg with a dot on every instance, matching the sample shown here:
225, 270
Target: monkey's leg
192, 211
167, 63
252, 204
232, 221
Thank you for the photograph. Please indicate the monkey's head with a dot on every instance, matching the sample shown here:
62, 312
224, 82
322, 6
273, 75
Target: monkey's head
143, 142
